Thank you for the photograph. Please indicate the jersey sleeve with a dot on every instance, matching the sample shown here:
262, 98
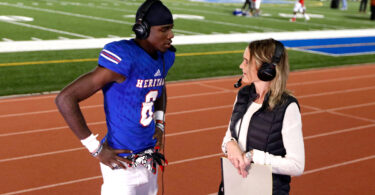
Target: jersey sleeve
109, 58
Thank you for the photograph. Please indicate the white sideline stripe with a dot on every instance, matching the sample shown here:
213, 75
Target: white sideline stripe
20, 46
46, 29
339, 164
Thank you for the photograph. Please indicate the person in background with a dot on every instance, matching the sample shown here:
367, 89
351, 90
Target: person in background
363, 6
344, 5
131, 74
247, 11
372, 17
266, 126
299, 7
256, 7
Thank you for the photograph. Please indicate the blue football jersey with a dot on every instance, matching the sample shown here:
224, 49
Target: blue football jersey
129, 106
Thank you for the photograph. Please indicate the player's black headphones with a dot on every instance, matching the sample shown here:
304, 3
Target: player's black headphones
267, 71
141, 28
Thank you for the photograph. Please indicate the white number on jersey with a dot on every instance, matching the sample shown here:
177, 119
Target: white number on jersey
146, 112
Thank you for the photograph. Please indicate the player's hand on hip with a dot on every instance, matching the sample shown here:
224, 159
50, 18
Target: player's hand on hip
158, 135
235, 156
109, 157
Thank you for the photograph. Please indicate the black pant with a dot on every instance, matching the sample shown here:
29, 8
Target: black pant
363, 6
372, 12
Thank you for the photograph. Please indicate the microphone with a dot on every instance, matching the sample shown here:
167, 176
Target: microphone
238, 84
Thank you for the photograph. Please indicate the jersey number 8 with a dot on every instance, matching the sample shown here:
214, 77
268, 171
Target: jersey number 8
146, 112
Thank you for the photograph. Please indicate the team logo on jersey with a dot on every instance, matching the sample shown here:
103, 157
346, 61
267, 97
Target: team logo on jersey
110, 56
157, 74
146, 83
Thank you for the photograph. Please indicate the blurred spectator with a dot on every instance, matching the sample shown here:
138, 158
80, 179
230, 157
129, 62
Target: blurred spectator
372, 10
344, 5
249, 9
335, 4
256, 7
299, 7
363, 6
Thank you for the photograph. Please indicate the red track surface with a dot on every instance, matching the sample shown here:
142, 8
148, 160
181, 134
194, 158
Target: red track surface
39, 154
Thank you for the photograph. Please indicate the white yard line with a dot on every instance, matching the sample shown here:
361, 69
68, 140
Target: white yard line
46, 29
81, 16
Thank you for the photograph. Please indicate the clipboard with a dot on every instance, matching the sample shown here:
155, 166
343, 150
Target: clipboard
258, 181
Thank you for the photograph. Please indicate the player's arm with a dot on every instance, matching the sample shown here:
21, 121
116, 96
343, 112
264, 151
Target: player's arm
159, 117
67, 102
85, 86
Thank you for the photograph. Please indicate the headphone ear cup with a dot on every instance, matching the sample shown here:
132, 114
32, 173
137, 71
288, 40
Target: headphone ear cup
267, 72
141, 30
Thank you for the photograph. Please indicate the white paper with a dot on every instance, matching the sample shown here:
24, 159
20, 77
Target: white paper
257, 182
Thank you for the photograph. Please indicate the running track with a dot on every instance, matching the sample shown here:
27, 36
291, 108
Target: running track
39, 154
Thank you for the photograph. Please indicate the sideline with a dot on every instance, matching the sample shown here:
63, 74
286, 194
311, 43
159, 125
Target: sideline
46, 45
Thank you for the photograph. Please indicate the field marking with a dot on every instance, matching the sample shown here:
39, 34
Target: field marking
335, 45
336, 132
317, 111
81, 16
46, 45
339, 164
184, 161
46, 95
96, 59
219, 92
333, 166
47, 29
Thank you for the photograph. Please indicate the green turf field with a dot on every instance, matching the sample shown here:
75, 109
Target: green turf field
43, 71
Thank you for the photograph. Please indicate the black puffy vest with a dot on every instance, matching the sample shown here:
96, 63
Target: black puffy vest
264, 131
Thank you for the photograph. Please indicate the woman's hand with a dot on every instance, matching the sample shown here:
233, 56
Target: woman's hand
237, 158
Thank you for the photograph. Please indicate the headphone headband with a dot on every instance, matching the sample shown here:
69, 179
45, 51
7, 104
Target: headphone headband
144, 9
279, 50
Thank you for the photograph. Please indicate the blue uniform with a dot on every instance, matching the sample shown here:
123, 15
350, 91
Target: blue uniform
129, 106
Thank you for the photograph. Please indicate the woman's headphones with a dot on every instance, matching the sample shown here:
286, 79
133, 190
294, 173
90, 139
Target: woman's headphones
141, 28
267, 71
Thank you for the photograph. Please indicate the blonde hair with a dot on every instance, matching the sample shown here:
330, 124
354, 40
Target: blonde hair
263, 51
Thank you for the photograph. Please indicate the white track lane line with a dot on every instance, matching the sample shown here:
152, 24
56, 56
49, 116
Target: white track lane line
188, 132
184, 161
316, 111
213, 80
195, 95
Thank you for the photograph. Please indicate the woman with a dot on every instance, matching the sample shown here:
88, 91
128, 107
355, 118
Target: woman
265, 125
